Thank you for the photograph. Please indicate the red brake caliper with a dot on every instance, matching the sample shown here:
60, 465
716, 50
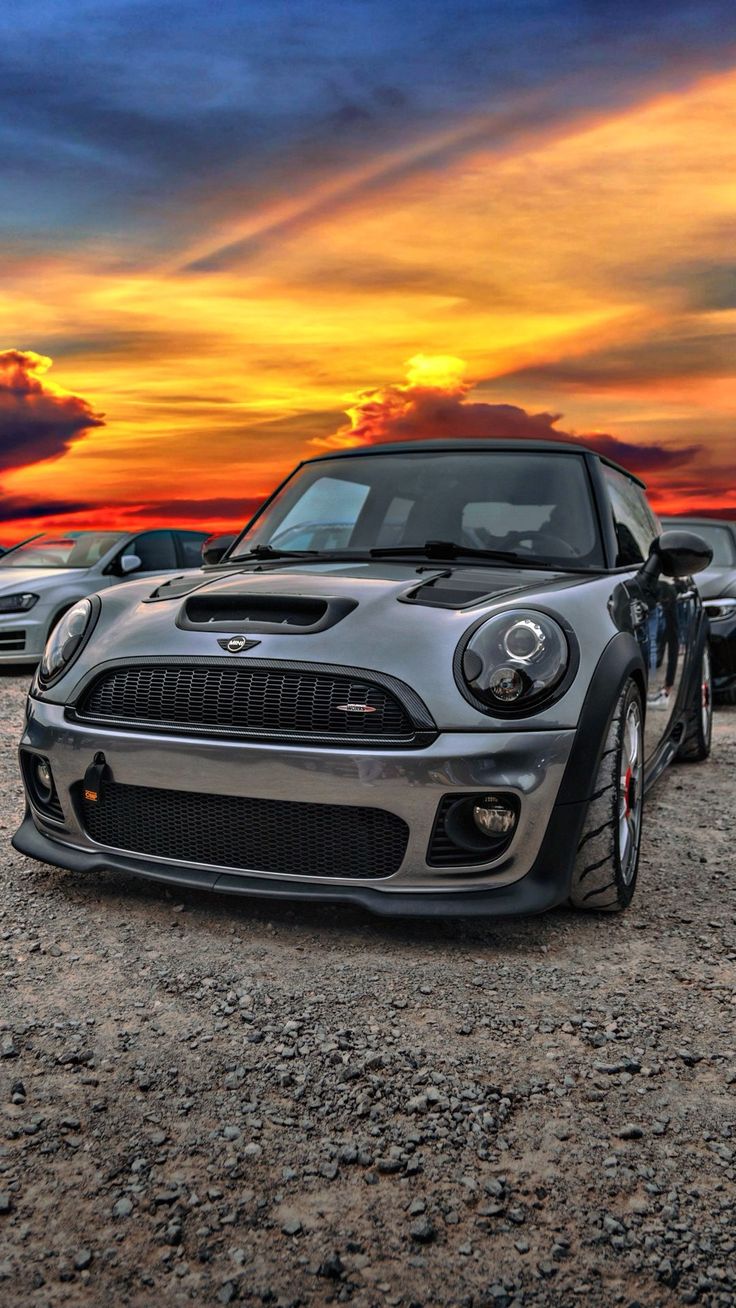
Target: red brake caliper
627, 791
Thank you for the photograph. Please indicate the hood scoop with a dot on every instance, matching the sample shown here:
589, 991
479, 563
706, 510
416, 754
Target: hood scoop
258, 612
450, 590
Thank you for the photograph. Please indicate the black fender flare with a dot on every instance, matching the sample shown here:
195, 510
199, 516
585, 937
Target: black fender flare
621, 659
553, 866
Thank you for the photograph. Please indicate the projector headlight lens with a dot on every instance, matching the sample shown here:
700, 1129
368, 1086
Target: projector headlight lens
65, 640
515, 660
524, 641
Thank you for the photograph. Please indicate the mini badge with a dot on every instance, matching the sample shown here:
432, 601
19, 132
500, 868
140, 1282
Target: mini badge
236, 644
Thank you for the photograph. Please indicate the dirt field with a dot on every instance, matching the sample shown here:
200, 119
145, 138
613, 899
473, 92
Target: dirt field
211, 1101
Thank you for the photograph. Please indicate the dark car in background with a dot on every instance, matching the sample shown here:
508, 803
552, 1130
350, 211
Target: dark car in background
717, 585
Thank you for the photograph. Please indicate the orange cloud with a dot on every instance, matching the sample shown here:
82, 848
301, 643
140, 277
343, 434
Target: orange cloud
38, 420
433, 404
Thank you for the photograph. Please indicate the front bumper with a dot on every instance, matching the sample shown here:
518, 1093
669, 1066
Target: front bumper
23, 635
532, 874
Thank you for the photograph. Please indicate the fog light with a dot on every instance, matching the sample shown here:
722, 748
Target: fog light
44, 779
506, 684
493, 816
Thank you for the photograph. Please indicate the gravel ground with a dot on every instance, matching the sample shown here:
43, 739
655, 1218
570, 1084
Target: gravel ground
209, 1101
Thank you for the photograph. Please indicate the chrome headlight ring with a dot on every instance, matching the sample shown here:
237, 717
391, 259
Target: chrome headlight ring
516, 662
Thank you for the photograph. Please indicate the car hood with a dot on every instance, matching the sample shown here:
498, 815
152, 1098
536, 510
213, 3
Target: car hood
390, 617
429, 584
716, 583
13, 579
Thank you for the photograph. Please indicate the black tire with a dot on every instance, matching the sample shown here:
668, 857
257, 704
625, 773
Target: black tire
607, 859
695, 744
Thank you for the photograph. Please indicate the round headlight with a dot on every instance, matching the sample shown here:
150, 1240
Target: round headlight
65, 640
514, 661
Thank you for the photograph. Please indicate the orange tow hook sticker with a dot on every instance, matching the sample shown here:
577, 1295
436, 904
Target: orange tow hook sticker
91, 794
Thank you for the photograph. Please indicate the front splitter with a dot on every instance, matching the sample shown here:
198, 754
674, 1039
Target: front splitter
542, 888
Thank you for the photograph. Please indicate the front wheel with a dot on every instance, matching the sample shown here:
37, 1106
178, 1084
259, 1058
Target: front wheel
607, 859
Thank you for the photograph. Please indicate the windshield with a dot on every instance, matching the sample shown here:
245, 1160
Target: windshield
533, 504
719, 539
75, 550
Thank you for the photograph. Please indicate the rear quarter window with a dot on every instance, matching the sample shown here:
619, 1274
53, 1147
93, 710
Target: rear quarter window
634, 522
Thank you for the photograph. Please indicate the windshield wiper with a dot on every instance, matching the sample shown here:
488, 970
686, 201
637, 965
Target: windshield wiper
268, 552
445, 549
442, 550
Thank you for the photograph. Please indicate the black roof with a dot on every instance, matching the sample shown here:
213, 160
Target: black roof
473, 444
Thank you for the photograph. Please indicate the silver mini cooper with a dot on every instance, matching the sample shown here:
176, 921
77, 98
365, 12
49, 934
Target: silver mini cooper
431, 678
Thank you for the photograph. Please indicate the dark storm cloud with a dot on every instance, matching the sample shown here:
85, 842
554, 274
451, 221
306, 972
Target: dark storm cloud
406, 412
234, 508
37, 421
14, 508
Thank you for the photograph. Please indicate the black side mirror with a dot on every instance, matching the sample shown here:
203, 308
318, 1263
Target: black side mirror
215, 547
678, 554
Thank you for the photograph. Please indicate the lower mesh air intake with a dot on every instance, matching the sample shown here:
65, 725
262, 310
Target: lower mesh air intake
265, 835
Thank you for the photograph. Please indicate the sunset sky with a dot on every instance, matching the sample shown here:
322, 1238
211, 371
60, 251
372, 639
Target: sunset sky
236, 235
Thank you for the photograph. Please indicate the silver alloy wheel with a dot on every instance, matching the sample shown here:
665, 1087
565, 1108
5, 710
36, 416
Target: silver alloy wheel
630, 792
706, 696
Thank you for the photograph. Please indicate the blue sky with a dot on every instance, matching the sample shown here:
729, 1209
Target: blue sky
224, 226
111, 112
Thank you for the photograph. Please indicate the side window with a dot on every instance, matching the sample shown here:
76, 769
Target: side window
190, 548
636, 526
155, 549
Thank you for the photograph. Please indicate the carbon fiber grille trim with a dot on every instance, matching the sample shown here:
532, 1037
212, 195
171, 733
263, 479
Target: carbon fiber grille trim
260, 835
249, 701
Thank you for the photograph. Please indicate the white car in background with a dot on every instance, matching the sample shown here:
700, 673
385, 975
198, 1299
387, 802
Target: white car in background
43, 577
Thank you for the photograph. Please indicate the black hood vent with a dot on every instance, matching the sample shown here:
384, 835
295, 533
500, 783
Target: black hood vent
256, 611
455, 590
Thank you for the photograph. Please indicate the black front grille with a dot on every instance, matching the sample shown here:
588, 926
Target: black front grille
260, 835
271, 702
